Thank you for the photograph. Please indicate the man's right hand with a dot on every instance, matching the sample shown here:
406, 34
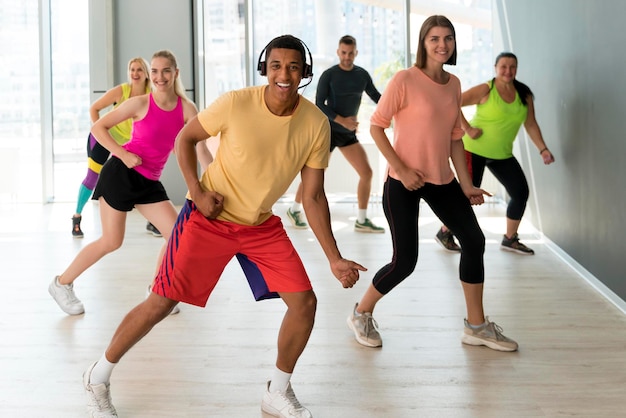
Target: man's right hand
210, 204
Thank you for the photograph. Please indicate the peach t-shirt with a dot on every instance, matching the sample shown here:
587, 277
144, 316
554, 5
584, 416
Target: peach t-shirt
426, 119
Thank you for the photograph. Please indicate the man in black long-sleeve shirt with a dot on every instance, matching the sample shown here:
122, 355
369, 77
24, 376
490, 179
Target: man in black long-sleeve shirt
339, 93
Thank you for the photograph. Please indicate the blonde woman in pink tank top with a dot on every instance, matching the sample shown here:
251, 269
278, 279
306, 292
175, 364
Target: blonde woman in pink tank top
130, 178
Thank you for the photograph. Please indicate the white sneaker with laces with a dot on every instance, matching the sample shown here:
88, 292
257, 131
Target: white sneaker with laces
365, 328
283, 405
490, 335
63, 295
99, 403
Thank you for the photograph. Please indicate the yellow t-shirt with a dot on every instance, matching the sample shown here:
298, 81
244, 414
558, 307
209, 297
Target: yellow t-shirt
260, 153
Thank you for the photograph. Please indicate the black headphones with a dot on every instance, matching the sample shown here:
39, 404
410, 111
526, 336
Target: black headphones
307, 70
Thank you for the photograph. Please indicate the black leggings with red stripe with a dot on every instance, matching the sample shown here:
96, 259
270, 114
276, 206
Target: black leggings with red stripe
448, 202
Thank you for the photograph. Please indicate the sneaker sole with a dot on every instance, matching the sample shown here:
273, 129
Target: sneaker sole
368, 231
358, 337
470, 340
513, 250
446, 248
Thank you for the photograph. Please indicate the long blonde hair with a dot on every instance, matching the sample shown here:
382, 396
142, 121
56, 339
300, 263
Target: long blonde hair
146, 69
179, 89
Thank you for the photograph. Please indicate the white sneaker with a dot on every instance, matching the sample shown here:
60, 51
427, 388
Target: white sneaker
283, 405
99, 403
490, 335
173, 312
63, 295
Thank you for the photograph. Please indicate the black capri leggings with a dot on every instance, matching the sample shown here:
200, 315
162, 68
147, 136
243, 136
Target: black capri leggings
509, 173
453, 208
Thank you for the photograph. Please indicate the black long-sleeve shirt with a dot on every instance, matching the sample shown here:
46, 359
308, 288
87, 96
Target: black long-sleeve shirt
339, 92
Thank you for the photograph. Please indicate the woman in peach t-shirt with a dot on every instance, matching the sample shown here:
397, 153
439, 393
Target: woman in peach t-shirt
424, 102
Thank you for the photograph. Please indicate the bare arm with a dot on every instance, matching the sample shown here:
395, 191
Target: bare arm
109, 98
474, 194
475, 95
210, 204
135, 108
532, 127
317, 212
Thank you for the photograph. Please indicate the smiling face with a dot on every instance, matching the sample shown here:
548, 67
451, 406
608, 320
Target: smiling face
137, 72
506, 69
163, 74
439, 44
284, 73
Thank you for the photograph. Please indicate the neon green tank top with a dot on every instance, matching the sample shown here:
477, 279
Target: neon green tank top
121, 131
500, 122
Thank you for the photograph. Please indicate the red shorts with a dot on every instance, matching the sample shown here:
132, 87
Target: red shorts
200, 248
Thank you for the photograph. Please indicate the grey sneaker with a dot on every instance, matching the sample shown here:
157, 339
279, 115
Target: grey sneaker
151, 229
173, 312
365, 328
99, 403
283, 405
296, 219
490, 335
446, 239
64, 296
515, 246
368, 226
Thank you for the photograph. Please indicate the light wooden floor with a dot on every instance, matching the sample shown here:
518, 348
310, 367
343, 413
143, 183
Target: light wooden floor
213, 362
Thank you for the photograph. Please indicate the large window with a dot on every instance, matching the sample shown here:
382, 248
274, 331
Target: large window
224, 46
379, 31
69, 24
20, 144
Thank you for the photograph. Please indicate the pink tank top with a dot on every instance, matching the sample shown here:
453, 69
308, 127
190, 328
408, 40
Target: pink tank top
153, 138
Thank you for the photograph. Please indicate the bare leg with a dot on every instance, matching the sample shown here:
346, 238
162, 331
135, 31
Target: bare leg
113, 229
296, 328
137, 323
369, 300
512, 227
163, 216
357, 157
298, 198
474, 302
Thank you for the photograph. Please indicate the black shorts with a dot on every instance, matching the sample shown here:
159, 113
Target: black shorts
123, 188
342, 139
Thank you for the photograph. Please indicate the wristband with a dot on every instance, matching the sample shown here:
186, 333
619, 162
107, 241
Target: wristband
545, 149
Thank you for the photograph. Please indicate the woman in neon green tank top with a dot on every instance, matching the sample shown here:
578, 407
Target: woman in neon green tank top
502, 105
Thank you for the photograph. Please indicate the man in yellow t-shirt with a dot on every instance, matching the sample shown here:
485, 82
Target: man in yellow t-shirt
268, 134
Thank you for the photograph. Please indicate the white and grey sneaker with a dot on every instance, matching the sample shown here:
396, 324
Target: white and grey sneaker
490, 335
365, 328
64, 296
99, 403
283, 404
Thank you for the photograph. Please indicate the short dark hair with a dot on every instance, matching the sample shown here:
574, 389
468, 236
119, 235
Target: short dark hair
348, 40
429, 23
286, 42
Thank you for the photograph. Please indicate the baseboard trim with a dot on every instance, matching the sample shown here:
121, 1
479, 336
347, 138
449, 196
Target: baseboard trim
600, 287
